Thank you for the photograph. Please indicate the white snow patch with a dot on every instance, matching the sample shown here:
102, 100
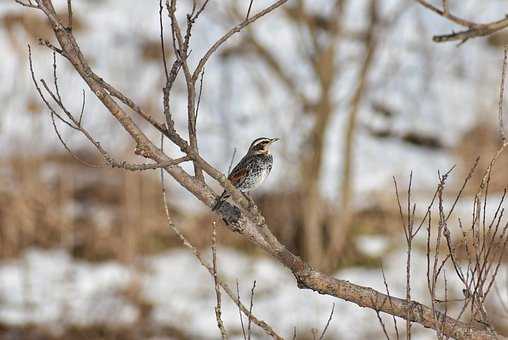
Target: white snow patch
48, 287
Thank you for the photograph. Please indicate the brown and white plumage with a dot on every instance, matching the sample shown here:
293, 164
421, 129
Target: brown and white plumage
252, 169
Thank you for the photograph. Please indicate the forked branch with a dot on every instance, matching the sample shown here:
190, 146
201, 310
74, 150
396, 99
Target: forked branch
473, 29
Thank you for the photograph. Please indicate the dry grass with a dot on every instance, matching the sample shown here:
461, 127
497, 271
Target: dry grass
100, 214
97, 214
97, 332
482, 140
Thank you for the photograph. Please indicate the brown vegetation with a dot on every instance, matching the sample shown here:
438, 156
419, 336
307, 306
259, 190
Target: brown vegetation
97, 214
483, 139
32, 332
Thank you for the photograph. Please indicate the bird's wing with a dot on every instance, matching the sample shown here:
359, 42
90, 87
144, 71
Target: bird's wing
239, 172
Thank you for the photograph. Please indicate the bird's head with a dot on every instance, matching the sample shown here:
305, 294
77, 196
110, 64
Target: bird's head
261, 145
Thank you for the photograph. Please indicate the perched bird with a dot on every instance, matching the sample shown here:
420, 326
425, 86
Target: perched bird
252, 169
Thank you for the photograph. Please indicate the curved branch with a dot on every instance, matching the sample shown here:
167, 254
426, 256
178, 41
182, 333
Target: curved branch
230, 33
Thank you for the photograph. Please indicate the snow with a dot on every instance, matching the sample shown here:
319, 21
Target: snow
372, 245
50, 288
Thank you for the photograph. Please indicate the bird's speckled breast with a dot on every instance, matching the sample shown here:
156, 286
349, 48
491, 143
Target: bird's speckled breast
259, 170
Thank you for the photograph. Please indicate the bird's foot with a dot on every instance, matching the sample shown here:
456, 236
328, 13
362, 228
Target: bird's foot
252, 204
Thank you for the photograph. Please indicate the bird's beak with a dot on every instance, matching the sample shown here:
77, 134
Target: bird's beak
274, 140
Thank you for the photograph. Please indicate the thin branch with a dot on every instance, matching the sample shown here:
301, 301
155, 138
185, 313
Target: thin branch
198, 13
240, 310
501, 97
147, 166
163, 47
250, 310
83, 101
69, 14
26, 4
170, 79
67, 148
53, 113
199, 96
39, 91
218, 307
444, 13
383, 327
182, 54
473, 30
230, 33
52, 47
323, 333
76, 125
390, 300
107, 157
248, 10
55, 78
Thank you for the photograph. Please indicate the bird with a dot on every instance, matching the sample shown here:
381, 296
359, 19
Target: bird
251, 170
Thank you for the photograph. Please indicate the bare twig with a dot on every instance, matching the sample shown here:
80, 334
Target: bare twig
171, 76
323, 333
232, 161
76, 125
248, 10
383, 326
395, 326
83, 102
473, 29
53, 113
26, 4
218, 307
181, 45
240, 310
501, 97
69, 14
407, 227
230, 33
250, 310
199, 96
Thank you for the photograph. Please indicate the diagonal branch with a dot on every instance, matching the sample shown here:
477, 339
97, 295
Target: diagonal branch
230, 33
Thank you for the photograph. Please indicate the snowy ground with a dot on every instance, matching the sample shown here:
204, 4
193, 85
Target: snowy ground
49, 288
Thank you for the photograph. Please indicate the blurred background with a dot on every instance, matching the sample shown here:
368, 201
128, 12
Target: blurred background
358, 94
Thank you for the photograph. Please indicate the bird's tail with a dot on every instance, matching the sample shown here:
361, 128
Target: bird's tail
220, 200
